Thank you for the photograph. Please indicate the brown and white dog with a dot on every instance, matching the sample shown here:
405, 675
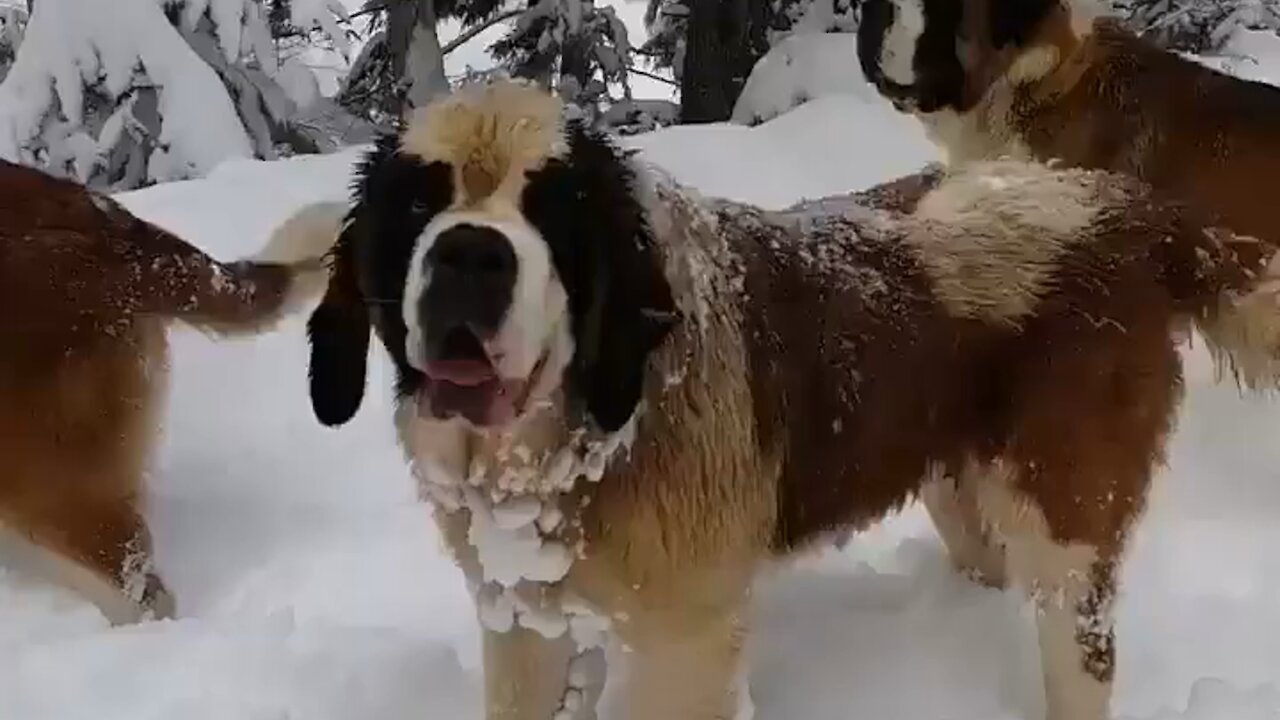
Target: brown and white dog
624, 401
1053, 80
86, 291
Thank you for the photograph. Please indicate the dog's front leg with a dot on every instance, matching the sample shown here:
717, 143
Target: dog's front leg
686, 668
528, 674
527, 677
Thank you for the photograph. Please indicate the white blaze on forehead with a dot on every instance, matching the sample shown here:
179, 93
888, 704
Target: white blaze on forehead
900, 39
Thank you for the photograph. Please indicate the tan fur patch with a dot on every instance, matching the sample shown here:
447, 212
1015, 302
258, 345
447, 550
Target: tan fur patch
1243, 332
991, 235
491, 134
1033, 65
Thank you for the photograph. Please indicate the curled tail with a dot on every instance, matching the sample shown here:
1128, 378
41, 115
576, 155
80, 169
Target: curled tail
176, 279
1231, 284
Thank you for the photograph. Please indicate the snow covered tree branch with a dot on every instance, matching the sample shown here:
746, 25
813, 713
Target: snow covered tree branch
1198, 26
402, 63
126, 92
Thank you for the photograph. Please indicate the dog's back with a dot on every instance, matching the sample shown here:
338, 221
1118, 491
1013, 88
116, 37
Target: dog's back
1186, 129
881, 340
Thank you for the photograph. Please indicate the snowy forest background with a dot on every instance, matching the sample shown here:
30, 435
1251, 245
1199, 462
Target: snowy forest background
125, 93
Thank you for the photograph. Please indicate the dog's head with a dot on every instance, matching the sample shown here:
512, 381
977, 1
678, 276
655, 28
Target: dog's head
932, 55
502, 254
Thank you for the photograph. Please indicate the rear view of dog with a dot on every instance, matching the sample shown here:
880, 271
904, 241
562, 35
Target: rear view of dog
86, 292
1053, 81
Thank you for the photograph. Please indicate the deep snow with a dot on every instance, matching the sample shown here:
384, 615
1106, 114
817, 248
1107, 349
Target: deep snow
312, 586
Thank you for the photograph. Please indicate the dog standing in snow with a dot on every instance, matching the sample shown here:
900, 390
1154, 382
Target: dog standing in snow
624, 401
1053, 80
86, 292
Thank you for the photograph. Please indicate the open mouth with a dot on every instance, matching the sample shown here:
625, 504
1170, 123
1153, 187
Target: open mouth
463, 380
903, 97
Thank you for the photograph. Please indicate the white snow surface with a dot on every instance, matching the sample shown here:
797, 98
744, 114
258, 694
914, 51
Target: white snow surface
312, 585
799, 68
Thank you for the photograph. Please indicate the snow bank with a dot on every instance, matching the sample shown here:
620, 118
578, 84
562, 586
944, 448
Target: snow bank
312, 585
1251, 54
831, 145
800, 68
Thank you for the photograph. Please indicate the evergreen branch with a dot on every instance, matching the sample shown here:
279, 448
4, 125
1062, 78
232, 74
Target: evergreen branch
652, 76
475, 30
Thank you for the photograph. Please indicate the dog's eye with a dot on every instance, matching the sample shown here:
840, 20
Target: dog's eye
419, 206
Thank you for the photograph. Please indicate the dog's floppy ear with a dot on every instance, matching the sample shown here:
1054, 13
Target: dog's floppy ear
632, 315
1013, 21
631, 308
338, 332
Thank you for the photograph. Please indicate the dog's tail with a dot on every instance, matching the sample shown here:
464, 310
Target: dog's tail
177, 280
1231, 286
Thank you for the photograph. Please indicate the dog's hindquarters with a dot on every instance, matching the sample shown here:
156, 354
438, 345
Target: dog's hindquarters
88, 290
76, 432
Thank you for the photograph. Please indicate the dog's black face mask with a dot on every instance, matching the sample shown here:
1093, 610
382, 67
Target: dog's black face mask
928, 55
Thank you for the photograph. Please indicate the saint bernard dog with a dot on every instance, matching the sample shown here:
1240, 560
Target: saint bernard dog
1054, 80
623, 400
86, 292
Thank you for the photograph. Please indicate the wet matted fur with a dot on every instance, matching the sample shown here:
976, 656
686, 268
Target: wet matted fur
86, 291
708, 387
1055, 81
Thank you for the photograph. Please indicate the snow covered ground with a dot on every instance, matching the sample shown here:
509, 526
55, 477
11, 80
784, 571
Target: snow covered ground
311, 585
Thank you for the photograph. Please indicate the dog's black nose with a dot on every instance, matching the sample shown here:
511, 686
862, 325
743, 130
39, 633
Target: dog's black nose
471, 277
481, 253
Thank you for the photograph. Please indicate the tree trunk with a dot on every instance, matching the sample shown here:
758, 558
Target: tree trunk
575, 59
425, 71
414, 47
724, 40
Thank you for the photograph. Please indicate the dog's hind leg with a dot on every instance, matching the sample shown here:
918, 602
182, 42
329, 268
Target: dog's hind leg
76, 438
1070, 577
952, 505
100, 550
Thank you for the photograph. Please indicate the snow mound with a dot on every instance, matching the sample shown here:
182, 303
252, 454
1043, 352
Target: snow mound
832, 145
798, 69
1250, 54
1213, 699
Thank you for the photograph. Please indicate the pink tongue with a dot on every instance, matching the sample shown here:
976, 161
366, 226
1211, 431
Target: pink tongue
486, 403
467, 373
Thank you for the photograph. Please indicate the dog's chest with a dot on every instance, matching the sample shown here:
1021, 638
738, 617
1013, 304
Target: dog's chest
511, 507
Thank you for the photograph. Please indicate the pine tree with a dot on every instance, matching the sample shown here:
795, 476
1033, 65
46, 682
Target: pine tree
1198, 26
579, 50
711, 46
126, 92
402, 63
